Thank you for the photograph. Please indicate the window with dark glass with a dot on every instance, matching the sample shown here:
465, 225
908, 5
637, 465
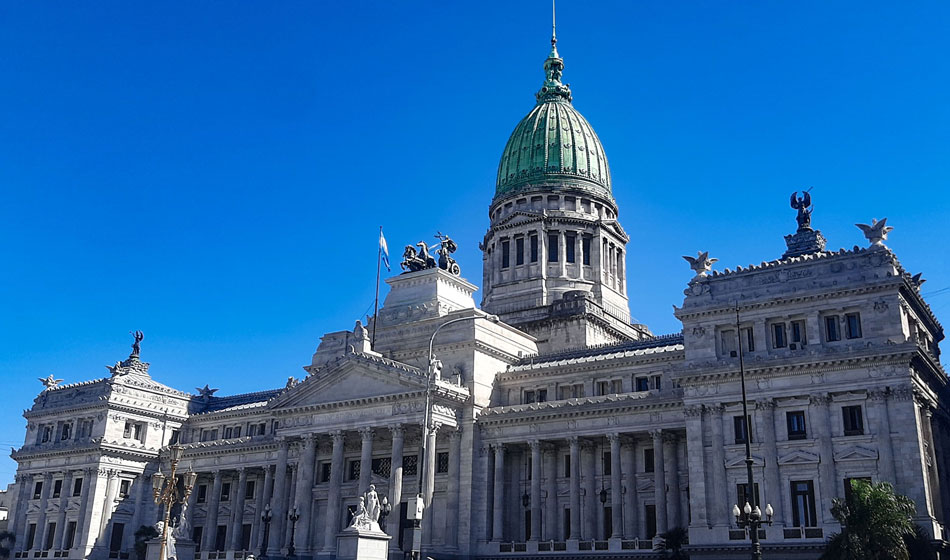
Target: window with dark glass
382, 466
354, 472
570, 245
585, 247
246, 537
249, 487
528, 398
853, 420
505, 254
743, 497
803, 503
67, 432
225, 491
410, 465
649, 511
70, 535
50, 533
202, 493
552, 247
657, 382
648, 465
37, 489
795, 420
115, 542
196, 533
741, 429
57, 488
605, 462
567, 466
220, 538
832, 334
798, 332
642, 383
519, 250
853, 325
30, 536
227, 433
567, 522
542, 395
237, 431
124, 488
533, 246
442, 462
325, 469
77, 487
779, 340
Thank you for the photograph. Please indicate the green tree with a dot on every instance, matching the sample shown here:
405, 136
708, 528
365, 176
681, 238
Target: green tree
673, 542
143, 534
874, 522
6, 543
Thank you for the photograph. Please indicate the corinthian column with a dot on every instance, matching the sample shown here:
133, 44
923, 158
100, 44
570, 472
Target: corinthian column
237, 526
659, 481
366, 459
303, 498
616, 488
885, 445
211, 520
535, 489
826, 465
394, 522
278, 501
452, 499
498, 509
575, 533
333, 496
773, 484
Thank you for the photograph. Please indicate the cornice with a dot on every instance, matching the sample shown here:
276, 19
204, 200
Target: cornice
610, 405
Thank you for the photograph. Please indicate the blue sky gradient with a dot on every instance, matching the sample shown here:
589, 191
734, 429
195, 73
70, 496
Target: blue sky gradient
214, 173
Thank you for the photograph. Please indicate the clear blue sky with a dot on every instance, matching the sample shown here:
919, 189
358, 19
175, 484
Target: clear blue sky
214, 173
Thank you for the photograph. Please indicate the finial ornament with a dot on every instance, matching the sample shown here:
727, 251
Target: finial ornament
806, 240
553, 89
206, 391
49, 382
553, 23
138, 336
877, 232
804, 207
701, 263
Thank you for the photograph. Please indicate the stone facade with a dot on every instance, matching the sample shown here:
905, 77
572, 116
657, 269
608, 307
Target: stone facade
563, 429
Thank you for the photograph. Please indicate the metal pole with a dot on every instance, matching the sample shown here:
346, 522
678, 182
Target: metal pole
379, 258
750, 491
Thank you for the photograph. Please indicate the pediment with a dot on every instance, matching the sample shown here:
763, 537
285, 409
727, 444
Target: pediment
740, 462
518, 217
646, 486
856, 453
352, 377
798, 457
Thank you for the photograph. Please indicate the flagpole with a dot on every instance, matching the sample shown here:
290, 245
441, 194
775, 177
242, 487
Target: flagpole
379, 259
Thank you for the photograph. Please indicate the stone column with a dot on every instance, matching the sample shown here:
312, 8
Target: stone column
263, 499
211, 519
718, 506
333, 495
826, 465
562, 250
112, 489
290, 527
591, 500
616, 488
671, 460
452, 498
394, 521
237, 512
575, 444
429, 483
630, 503
885, 446
773, 483
498, 509
61, 515
303, 497
39, 539
83, 523
659, 480
549, 527
931, 463
366, 459
535, 446
278, 500
696, 465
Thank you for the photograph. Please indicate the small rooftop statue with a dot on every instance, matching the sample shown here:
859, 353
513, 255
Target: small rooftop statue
877, 232
205, 392
804, 207
49, 382
138, 336
701, 263
806, 240
415, 260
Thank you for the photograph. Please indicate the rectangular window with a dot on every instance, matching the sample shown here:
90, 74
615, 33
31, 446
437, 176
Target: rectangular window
37, 489
220, 538
605, 462
252, 430
585, 247
542, 395
528, 397
410, 465
853, 420
728, 342
202, 493
249, 487
228, 433
50, 533
748, 339
832, 334
603, 388
127, 431
795, 420
246, 537
225, 491
779, 340
567, 523
649, 514
30, 536
567, 466
138, 432
616, 386
505, 254
642, 383
237, 431
354, 472
442, 462
853, 325
57, 488
648, 460
570, 246
262, 428
77, 488
742, 495
519, 250
70, 535
115, 543
798, 333
325, 469
67, 432
382, 466
657, 382
124, 488
741, 428
533, 240
552, 247
803, 503
196, 537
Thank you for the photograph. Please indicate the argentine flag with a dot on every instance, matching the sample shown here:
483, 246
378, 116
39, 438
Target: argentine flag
383, 249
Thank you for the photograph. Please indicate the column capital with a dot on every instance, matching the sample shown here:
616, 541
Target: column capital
337, 436
455, 433
879, 394
904, 393
397, 430
820, 399
241, 472
434, 427
657, 435
765, 404
367, 433
574, 441
282, 442
693, 411
534, 445
293, 467
670, 437
499, 448
715, 409
613, 437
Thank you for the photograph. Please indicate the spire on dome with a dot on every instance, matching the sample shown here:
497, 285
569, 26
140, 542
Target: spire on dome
553, 89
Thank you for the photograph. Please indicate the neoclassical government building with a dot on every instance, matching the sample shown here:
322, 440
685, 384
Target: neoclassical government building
559, 427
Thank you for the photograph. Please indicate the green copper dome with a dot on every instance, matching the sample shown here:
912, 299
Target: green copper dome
553, 146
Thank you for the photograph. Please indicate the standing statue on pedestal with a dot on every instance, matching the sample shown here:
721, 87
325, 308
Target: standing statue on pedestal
366, 516
804, 207
137, 345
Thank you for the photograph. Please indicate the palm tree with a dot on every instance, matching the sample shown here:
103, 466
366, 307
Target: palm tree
874, 521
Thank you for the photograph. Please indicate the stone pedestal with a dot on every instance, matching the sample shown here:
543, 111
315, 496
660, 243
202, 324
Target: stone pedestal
185, 550
803, 242
361, 544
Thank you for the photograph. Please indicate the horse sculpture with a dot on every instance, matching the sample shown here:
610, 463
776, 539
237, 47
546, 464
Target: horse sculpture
414, 260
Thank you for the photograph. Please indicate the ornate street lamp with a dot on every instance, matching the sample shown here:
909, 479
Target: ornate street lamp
165, 490
293, 516
751, 517
266, 518
385, 508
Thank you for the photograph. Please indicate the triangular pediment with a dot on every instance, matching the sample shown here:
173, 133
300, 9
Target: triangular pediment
518, 217
646, 486
856, 453
352, 377
798, 457
740, 462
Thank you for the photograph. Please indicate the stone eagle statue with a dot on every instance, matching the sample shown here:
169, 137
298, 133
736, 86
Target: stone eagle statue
701, 263
877, 232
